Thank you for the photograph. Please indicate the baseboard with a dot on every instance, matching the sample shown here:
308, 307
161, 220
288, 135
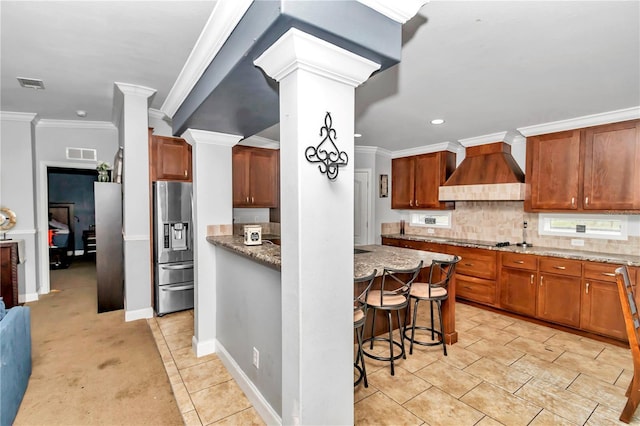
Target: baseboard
203, 348
138, 314
261, 405
28, 297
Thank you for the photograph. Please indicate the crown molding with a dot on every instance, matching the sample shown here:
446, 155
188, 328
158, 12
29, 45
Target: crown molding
157, 114
195, 136
508, 137
222, 21
296, 49
135, 89
17, 116
399, 11
260, 142
443, 146
375, 150
580, 122
76, 124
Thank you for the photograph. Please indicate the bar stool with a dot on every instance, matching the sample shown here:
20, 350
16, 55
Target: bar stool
435, 291
392, 296
359, 319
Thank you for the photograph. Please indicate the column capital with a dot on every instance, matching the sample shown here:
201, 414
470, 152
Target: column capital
136, 90
299, 50
399, 11
195, 136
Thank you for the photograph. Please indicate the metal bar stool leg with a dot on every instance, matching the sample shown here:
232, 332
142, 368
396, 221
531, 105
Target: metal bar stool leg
413, 325
390, 341
373, 326
444, 344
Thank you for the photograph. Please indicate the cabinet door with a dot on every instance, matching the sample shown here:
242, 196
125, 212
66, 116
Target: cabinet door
518, 291
559, 299
172, 159
402, 182
240, 166
612, 167
427, 180
601, 311
476, 289
553, 170
263, 178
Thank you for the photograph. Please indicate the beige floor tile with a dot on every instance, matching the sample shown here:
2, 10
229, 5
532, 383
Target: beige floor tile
624, 379
439, 408
165, 353
182, 397
360, 392
459, 357
464, 324
245, 417
501, 405
617, 356
172, 372
173, 317
202, 376
379, 409
422, 356
502, 354
589, 366
547, 418
553, 373
217, 402
488, 421
178, 341
185, 358
559, 401
453, 381
492, 334
530, 331
509, 379
181, 325
491, 319
401, 387
599, 391
536, 348
604, 416
587, 347
466, 339
191, 418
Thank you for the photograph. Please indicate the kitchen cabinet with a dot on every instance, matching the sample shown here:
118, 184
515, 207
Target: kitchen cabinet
518, 283
476, 274
255, 177
601, 311
559, 288
9, 273
415, 180
169, 159
585, 170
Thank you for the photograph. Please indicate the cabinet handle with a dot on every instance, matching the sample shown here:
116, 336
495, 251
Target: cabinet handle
251, 200
417, 203
519, 262
541, 278
247, 200
467, 287
587, 289
185, 173
586, 201
562, 268
411, 203
531, 278
609, 274
468, 264
573, 201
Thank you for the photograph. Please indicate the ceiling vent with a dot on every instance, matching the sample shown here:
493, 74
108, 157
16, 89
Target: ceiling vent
81, 154
31, 83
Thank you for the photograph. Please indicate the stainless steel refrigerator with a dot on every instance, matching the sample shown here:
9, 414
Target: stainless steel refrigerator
173, 246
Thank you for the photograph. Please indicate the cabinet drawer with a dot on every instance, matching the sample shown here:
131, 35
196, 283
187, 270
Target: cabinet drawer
476, 289
561, 266
600, 271
519, 261
476, 262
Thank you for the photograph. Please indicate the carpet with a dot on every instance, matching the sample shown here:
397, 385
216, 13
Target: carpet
91, 368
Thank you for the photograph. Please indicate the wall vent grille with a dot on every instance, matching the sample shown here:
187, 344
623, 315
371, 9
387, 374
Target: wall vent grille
31, 83
81, 154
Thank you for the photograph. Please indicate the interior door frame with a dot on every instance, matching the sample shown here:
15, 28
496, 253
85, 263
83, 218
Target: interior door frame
42, 216
369, 204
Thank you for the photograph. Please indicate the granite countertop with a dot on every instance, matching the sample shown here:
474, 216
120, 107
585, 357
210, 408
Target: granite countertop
376, 257
616, 258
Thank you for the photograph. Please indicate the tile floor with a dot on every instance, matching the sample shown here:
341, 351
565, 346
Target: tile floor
502, 371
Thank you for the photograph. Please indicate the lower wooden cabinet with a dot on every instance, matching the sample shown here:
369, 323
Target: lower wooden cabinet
476, 289
518, 290
601, 311
559, 299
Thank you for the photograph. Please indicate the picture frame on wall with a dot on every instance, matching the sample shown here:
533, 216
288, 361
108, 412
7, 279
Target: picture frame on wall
384, 186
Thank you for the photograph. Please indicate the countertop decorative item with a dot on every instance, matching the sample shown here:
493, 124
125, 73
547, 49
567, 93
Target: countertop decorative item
7, 221
327, 153
103, 169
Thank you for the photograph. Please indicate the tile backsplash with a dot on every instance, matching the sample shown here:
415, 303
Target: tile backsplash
498, 221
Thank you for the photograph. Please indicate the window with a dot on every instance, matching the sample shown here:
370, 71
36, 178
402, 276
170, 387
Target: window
610, 227
433, 219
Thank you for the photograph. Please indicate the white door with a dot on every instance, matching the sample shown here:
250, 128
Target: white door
361, 208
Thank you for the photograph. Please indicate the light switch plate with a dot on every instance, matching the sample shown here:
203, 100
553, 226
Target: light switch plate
577, 242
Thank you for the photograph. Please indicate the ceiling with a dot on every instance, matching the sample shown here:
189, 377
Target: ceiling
484, 67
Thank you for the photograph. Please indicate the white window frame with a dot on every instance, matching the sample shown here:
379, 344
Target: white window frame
545, 218
418, 219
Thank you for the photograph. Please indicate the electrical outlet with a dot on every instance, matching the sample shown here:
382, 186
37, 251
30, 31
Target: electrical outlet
256, 358
576, 242
431, 231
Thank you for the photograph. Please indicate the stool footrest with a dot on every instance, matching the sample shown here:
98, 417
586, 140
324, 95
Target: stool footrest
418, 342
384, 358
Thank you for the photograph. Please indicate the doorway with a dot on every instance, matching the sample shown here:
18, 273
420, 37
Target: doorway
361, 207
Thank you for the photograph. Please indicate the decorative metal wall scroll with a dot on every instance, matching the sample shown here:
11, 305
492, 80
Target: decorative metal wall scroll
327, 153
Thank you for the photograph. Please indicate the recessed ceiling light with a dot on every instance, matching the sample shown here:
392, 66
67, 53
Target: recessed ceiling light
81, 113
357, 135
31, 83
437, 121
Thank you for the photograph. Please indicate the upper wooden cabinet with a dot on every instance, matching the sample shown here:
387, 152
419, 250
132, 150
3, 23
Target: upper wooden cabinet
415, 180
255, 177
169, 159
592, 169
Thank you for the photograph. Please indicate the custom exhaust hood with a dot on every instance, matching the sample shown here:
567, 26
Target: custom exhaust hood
487, 173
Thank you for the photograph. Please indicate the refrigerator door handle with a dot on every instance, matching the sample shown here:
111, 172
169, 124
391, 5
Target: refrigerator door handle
176, 267
177, 288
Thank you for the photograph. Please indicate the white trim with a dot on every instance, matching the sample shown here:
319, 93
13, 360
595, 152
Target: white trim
298, 50
371, 194
203, 348
262, 406
27, 297
376, 150
135, 89
20, 231
443, 146
157, 114
399, 11
17, 116
138, 314
75, 124
224, 17
136, 237
580, 122
508, 137
195, 136
260, 142
543, 217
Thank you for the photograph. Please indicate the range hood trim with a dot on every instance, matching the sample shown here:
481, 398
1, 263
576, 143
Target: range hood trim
483, 192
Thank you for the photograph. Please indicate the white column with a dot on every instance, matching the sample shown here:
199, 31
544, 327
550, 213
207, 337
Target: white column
134, 124
316, 77
212, 205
